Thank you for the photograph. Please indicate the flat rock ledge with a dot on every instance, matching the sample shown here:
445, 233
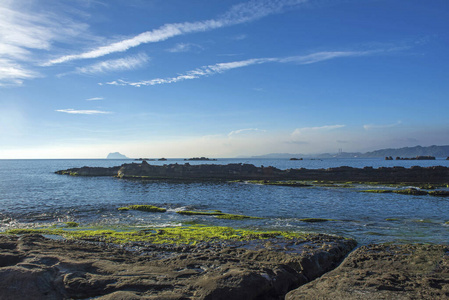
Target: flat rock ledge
384, 272
436, 174
36, 267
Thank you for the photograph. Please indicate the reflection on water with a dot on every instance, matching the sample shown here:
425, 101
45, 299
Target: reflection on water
32, 195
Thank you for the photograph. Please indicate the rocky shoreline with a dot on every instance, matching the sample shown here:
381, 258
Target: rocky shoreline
36, 267
437, 174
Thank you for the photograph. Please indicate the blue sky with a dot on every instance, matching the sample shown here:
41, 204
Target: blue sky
153, 78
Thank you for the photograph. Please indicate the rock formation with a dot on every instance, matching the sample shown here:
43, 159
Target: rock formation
34, 267
437, 174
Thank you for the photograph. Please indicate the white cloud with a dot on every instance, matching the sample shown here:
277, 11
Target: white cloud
121, 64
95, 99
241, 13
299, 131
381, 126
194, 74
13, 74
24, 30
185, 47
239, 131
325, 55
82, 112
223, 67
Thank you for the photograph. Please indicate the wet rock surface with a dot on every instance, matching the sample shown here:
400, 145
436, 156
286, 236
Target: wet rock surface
35, 267
384, 272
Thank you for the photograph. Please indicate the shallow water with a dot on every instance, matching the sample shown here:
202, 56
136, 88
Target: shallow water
32, 195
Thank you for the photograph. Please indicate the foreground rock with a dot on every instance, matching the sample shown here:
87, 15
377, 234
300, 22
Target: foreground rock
384, 272
186, 171
34, 267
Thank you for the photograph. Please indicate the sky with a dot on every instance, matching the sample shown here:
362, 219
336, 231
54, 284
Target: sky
176, 78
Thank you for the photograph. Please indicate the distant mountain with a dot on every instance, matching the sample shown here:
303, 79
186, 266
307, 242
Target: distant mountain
116, 155
437, 151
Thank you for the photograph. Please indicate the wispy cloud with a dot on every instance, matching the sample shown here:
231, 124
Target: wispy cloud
185, 47
240, 13
299, 131
246, 130
223, 67
326, 55
381, 126
121, 64
194, 74
13, 74
95, 99
83, 112
25, 30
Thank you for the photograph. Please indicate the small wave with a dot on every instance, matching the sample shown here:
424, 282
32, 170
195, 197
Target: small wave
177, 209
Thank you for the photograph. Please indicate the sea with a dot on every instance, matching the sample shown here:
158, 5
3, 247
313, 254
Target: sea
33, 196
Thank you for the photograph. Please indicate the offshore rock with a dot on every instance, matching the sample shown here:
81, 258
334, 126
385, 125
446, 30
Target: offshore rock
34, 267
437, 174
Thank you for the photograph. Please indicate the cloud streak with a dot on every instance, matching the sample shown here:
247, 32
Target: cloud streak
240, 13
223, 67
114, 65
185, 47
381, 126
300, 131
83, 112
246, 130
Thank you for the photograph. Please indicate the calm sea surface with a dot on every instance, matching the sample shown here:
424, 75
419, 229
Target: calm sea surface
31, 195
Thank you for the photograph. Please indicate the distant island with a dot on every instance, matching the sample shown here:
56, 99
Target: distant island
116, 155
405, 152
200, 158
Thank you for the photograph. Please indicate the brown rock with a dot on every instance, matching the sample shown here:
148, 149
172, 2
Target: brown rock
384, 272
41, 268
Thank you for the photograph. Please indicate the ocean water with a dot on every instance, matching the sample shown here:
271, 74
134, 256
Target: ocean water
31, 195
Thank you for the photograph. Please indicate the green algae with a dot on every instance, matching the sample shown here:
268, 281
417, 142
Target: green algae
148, 208
71, 224
236, 217
411, 191
439, 193
391, 219
167, 235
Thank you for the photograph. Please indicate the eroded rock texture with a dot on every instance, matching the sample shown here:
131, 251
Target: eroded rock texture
34, 267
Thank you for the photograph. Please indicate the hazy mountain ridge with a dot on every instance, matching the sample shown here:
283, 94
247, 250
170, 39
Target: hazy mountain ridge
437, 151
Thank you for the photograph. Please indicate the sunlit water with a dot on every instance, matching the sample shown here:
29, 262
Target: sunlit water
32, 195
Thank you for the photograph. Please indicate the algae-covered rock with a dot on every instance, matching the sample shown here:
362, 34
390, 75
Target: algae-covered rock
148, 208
72, 224
236, 217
